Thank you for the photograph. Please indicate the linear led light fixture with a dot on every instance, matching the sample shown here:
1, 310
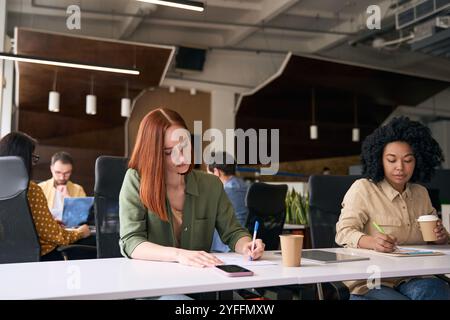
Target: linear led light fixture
182, 4
60, 63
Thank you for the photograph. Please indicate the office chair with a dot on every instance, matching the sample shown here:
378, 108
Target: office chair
18, 236
266, 204
19, 240
109, 174
439, 188
326, 193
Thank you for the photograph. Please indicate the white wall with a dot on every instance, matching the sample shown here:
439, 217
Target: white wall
229, 70
5, 78
239, 68
7, 99
222, 120
222, 110
434, 113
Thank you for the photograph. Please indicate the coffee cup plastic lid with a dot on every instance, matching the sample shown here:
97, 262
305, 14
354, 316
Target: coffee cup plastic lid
428, 217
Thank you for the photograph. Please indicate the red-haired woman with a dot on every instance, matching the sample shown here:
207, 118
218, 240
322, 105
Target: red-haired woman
168, 212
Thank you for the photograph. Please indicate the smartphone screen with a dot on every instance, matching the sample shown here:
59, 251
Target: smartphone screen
233, 270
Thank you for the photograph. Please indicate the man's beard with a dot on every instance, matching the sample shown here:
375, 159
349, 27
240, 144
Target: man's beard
61, 183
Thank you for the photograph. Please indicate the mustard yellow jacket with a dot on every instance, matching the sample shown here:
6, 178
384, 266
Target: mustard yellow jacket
75, 190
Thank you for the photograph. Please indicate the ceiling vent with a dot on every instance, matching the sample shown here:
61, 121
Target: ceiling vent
419, 10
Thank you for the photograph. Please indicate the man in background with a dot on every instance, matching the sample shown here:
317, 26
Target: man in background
59, 186
236, 190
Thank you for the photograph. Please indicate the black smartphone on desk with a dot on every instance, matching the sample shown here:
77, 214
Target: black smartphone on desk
233, 270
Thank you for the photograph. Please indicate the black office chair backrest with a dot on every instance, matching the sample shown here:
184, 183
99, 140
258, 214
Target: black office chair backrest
267, 204
326, 193
109, 175
18, 237
439, 188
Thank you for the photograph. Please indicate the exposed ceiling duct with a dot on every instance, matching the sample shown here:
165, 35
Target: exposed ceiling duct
433, 38
420, 25
417, 11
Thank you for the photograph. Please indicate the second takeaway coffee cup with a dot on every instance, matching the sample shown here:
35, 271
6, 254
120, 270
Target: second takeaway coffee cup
427, 225
291, 249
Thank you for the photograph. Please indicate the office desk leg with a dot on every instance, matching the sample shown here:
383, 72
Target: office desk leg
320, 291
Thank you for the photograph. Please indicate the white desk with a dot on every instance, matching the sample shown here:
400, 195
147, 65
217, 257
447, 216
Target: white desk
122, 278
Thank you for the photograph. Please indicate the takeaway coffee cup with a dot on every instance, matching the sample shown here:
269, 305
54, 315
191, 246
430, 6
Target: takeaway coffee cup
291, 249
427, 225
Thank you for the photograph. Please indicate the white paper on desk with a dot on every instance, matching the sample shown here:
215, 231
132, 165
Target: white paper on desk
245, 262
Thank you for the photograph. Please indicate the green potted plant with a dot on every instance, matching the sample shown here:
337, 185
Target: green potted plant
297, 207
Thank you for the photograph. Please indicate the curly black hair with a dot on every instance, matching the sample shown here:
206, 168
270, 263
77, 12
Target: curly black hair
426, 150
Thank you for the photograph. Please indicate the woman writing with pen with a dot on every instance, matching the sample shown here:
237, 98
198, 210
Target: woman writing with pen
168, 212
380, 211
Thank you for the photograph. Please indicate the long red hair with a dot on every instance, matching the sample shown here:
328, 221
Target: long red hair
148, 158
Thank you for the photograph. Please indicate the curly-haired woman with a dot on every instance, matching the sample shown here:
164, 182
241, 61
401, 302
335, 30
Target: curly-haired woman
394, 157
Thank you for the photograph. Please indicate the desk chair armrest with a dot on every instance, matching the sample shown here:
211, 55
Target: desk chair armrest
444, 277
76, 246
74, 249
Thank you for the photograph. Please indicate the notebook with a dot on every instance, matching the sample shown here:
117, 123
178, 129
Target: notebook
76, 211
410, 252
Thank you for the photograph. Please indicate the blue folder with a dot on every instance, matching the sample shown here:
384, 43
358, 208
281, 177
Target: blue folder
76, 211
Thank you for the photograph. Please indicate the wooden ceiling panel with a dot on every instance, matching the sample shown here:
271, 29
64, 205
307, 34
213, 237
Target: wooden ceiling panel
35, 80
285, 104
150, 60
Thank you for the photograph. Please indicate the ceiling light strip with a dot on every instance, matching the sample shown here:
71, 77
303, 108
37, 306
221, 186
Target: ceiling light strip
59, 63
188, 5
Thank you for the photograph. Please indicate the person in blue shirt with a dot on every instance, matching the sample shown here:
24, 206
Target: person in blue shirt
223, 166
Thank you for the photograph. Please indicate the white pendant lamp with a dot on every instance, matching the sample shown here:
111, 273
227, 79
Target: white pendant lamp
313, 129
53, 97
91, 104
91, 100
125, 107
355, 134
355, 130
125, 104
313, 132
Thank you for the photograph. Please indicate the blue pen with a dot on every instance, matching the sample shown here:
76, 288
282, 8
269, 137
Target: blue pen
255, 230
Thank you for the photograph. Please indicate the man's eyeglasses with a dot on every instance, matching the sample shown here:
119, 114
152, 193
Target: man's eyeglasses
35, 158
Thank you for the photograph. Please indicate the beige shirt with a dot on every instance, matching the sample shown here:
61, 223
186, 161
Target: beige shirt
366, 202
